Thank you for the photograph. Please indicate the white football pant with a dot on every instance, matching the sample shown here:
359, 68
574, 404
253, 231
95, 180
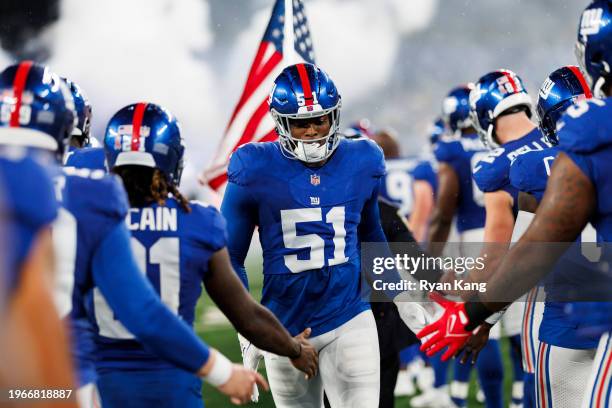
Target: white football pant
349, 369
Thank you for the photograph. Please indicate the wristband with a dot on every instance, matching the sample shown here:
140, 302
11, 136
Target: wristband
495, 317
476, 312
220, 372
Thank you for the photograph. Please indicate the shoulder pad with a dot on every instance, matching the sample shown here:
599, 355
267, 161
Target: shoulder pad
365, 155
33, 203
89, 157
246, 160
447, 151
211, 224
586, 126
93, 191
528, 171
490, 173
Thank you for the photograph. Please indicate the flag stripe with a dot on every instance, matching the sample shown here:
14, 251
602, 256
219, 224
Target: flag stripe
19, 83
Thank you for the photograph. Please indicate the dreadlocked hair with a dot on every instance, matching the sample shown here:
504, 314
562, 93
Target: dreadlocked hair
145, 185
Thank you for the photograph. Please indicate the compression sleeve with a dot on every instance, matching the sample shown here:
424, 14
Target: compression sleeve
370, 230
240, 212
137, 306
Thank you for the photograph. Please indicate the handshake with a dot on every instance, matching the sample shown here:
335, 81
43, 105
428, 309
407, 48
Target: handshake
306, 360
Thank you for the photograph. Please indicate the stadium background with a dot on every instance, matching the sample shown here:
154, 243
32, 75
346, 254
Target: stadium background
393, 61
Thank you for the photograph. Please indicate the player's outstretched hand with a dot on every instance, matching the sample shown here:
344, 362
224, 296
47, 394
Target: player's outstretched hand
308, 360
240, 384
475, 343
449, 330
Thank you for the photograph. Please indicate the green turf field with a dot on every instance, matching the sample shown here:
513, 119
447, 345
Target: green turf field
222, 336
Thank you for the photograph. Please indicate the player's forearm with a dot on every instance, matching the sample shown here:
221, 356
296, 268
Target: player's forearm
263, 329
439, 231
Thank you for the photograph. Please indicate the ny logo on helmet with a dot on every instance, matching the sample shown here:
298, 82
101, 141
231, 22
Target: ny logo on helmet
547, 86
591, 21
508, 84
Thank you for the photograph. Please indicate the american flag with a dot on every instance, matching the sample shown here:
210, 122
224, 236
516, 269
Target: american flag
282, 45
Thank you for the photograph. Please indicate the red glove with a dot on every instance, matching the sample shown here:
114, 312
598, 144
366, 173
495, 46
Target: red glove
449, 330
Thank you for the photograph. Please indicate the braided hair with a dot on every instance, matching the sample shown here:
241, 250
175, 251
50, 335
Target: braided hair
145, 185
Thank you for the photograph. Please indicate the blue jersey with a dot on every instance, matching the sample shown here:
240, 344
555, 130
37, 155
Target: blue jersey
396, 186
462, 154
88, 157
425, 170
492, 173
586, 137
311, 220
174, 248
573, 272
529, 172
29, 206
92, 204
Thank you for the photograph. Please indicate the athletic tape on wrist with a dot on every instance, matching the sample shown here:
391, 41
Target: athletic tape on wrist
220, 372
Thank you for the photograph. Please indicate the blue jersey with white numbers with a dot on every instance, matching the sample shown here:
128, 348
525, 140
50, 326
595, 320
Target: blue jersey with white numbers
92, 204
586, 137
573, 272
174, 248
492, 173
88, 158
396, 186
311, 221
462, 154
529, 172
29, 206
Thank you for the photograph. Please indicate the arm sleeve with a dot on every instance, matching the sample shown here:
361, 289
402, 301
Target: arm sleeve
138, 307
370, 230
239, 209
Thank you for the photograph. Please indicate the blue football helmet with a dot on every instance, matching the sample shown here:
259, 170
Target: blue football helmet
358, 130
456, 108
494, 94
436, 130
36, 108
83, 112
594, 44
145, 134
305, 91
564, 87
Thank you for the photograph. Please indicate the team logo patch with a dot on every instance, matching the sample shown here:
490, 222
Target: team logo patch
315, 180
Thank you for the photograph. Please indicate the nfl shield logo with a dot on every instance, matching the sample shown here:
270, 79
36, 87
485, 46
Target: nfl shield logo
315, 180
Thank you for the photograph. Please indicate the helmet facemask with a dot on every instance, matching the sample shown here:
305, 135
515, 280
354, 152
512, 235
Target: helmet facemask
311, 150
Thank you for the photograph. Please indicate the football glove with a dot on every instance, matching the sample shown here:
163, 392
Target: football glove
449, 330
251, 356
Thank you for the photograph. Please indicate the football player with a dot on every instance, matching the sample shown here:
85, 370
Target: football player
410, 183
312, 211
92, 241
578, 191
34, 348
561, 349
179, 244
459, 197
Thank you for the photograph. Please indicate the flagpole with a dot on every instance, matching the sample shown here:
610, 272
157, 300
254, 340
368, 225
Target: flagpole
288, 35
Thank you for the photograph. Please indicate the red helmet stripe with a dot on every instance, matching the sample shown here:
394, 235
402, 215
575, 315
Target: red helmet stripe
136, 124
19, 83
305, 83
508, 75
583, 84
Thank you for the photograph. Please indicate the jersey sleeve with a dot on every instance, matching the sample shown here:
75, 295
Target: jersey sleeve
98, 201
212, 225
588, 131
584, 163
237, 171
87, 158
425, 172
491, 174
